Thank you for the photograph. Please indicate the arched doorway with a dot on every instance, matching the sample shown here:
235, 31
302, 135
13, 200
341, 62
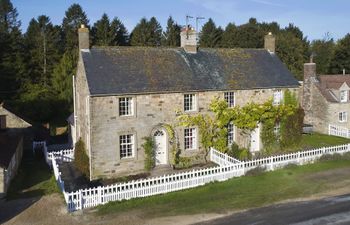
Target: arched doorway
161, 147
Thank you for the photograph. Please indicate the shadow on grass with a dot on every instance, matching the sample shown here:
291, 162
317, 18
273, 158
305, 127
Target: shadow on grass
33, 180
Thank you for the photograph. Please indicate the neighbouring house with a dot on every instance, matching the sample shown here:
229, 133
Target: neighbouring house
326, 99
123, 94
13, 131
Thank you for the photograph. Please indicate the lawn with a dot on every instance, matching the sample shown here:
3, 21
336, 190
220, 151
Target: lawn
317, 140
34, 178
241, 193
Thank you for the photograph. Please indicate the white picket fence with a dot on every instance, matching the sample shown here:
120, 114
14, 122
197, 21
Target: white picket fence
338, 131
227, 168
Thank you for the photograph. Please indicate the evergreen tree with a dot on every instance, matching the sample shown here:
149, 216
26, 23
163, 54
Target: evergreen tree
62, 77
210, 35
341, 58
11, 48
230, 38
250, 35
171, 37
290, 50
42, 43
74, 18
146, 33
119, 33
101, 32
323, 51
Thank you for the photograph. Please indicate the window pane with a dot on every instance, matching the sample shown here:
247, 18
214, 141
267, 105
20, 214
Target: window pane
230, 98
126, 145
190, 138
230, 133
125, 106
189, 102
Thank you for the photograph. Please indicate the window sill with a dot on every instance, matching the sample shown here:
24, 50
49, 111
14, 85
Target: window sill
127, 159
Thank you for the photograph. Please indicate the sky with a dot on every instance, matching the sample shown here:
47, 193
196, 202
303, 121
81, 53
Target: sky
314, 17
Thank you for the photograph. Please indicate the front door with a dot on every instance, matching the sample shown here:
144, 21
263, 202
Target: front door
160, 147
255, 139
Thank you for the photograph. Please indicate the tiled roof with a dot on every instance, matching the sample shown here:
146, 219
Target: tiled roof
132, 70
328, 83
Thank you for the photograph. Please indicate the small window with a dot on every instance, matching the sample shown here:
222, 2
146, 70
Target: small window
126, 106
230, 99
2, 121
343, 116
230, 133
277, 129
189, 102
126, 146
343, 96
190, 138
277, 97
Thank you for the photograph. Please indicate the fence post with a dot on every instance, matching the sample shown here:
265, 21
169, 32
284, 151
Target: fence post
271, 163
298, 160
100, 200
81, 199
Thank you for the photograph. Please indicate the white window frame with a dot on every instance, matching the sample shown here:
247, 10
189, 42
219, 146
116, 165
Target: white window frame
190, 102
343, 96
190, 138
230, 99
231, 133
277, 97
343, 117
126, 106
127, 144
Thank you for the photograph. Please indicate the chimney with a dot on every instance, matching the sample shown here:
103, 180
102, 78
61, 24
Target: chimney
189, 39
309, 79
84, 42
270, 42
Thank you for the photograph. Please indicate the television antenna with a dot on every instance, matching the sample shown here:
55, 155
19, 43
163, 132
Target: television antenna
197, 20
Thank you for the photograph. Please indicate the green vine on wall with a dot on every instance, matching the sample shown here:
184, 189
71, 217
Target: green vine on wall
148, 146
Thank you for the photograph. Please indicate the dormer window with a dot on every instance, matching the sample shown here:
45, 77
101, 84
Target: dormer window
344, 96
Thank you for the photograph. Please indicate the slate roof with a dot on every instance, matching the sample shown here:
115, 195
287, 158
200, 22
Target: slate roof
8, 146
131, 70
327, 83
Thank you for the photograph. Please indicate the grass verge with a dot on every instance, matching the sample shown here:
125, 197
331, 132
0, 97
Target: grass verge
316, 140
34, 178
241, 193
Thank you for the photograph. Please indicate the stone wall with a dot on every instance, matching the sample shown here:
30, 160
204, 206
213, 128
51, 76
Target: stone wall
151, 111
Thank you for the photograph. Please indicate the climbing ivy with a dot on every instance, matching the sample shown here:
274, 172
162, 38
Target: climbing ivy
148, 146
213, 129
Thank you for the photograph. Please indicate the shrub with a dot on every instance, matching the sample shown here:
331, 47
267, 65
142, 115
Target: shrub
184, 162
256, 171
239, 153
148, 146
81, 159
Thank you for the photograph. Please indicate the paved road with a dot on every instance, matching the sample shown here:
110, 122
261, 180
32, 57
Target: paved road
334, 210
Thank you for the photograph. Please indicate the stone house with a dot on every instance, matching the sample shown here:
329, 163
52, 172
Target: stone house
123, 94
12, 132
326, 99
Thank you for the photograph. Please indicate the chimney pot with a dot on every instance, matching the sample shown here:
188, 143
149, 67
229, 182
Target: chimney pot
270, 42
84, 38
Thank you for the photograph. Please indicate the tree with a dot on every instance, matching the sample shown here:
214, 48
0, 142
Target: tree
146, 33
171, 37
290, 50
42, 44
11, 48
119, 33
230, 36
323, 51
210, 35
341, 58
74, 17
101, 32
62, 77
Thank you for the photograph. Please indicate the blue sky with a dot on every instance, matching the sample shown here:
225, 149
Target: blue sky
314, 17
